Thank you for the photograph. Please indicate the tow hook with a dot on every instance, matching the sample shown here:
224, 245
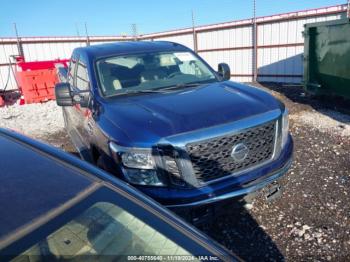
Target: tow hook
273, 191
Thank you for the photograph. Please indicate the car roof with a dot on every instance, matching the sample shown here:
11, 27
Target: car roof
33, 184
119, 48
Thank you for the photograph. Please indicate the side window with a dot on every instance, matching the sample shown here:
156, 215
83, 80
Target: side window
71, 70
82, 76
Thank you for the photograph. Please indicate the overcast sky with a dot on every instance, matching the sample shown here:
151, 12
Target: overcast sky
114, 17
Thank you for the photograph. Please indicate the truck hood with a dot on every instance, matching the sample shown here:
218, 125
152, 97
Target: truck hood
148, 118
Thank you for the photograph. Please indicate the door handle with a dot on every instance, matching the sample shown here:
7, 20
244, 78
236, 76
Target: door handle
90, 128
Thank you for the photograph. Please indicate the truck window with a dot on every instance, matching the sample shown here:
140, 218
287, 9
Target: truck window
82, 77
144, 71
103, 230
71, 70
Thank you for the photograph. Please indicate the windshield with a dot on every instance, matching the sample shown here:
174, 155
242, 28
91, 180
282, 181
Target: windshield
146, 71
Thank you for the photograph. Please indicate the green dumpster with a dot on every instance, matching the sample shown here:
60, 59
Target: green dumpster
327, 58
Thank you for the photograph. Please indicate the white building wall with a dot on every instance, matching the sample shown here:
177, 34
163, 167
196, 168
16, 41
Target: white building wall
286, 61
280, 45
227, 38
186, 39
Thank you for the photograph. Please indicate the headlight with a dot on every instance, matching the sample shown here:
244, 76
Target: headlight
138, 159
137, 164
285, 128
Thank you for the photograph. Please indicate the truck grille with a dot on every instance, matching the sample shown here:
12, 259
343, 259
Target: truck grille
211, 159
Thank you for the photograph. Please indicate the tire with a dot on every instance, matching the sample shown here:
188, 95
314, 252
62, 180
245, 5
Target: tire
101, 163
104, 163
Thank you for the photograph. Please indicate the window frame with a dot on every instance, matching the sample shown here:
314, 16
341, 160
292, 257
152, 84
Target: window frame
82, 62
74, 59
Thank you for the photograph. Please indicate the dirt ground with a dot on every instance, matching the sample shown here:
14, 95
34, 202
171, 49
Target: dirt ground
311, 219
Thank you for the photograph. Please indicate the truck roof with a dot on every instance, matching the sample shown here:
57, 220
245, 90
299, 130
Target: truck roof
118, 48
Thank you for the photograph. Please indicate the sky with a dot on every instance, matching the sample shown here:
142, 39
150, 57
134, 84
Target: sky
115, 17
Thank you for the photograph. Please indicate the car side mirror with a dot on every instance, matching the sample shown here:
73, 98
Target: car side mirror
63, 95
224, 71
62, 73
81, 97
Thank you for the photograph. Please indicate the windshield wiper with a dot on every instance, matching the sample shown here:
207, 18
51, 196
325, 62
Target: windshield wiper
160, 90
179, 86
138, 92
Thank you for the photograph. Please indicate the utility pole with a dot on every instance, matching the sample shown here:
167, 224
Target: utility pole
195, 43
134, 31
255, 44
77, 29
19, 44
87, 35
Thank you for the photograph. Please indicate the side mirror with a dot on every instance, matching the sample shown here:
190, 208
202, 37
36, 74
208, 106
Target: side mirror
62, 74
66, 97
82, 98
224, 71
63, 95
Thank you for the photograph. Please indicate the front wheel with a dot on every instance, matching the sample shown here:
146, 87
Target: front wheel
104, 163
101, 163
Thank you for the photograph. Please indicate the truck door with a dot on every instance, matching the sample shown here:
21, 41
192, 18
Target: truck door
83, 115
69, 111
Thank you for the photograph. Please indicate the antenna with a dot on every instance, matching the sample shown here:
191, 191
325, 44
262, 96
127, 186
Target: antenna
87, 35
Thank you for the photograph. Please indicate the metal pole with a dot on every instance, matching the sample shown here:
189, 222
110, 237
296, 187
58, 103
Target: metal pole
195, 44
87, 35
134, 31
19, 44
255, 47
77, 29
348, 11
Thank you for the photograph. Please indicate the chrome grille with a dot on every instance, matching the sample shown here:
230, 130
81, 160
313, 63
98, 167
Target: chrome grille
211, 159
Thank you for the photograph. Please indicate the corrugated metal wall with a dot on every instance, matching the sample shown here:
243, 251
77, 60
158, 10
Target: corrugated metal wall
7, 48
41, 49
279, 45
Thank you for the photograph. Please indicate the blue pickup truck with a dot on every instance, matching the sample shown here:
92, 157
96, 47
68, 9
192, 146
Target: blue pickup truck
158, 116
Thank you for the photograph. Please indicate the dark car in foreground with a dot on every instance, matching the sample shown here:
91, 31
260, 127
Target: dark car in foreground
57, 207
158, 116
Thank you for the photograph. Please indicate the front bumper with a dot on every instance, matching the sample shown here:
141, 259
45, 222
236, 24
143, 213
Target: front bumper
229, 188
245, 190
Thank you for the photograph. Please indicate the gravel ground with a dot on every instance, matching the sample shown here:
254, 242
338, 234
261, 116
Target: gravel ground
310, 221
36, 120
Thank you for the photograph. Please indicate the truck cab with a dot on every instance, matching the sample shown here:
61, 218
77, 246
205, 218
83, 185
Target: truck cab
158, 116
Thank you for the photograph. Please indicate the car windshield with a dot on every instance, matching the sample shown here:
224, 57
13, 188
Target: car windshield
150, 71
